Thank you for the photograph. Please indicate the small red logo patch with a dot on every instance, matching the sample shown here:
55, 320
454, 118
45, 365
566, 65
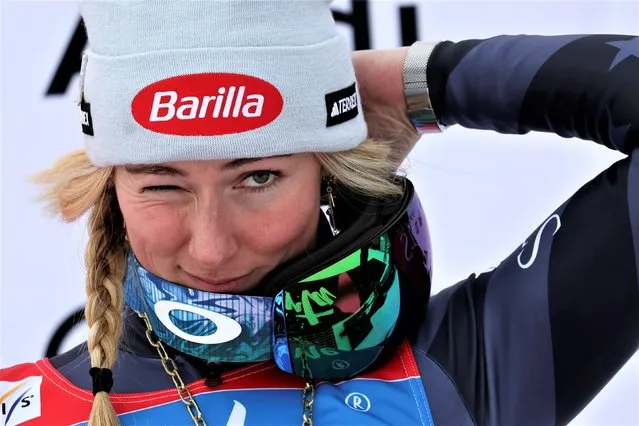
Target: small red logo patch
207, 104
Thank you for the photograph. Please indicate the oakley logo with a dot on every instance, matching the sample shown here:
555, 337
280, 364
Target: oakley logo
210, 104
227, 329
358, 402
535, 249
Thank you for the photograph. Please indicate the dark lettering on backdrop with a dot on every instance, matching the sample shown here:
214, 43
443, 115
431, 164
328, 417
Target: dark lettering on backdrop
70, 63
408, 25
63, 330
358, 19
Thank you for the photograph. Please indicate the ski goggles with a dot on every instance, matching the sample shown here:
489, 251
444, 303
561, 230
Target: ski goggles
332, 312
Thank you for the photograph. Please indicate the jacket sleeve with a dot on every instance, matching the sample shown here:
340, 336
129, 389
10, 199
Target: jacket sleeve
534, 340
582, 86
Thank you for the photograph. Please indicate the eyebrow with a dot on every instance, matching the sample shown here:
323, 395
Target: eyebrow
243, 161
154, 169
158, 169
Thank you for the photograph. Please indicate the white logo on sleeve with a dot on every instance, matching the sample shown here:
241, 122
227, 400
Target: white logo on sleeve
20, 401
535, 249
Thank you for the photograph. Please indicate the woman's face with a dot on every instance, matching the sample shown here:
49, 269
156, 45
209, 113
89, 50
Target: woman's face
220, 225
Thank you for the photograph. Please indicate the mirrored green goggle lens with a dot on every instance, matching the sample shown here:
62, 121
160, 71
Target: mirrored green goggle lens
333, 323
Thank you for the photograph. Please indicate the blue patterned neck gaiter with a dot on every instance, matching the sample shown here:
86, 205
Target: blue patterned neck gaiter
211, 326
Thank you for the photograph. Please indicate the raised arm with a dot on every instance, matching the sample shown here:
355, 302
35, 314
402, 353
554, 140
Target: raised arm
583, 86
533, 341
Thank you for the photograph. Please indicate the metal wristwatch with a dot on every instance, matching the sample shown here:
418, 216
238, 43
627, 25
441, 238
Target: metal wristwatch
419, 108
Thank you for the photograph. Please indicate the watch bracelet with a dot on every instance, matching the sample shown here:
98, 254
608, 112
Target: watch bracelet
418, 104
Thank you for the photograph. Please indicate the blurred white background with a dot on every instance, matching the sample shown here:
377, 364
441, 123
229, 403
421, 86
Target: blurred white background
483, 192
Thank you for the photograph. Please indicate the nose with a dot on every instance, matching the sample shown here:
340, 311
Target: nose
213, 241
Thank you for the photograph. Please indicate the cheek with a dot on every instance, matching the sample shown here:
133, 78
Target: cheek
288, 227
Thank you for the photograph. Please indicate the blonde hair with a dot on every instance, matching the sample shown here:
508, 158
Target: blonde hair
73, 187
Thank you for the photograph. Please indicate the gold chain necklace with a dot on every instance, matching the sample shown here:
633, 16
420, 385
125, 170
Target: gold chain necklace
172, 370
308, 393
308, 396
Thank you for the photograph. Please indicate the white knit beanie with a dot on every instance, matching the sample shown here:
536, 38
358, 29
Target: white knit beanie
171, 80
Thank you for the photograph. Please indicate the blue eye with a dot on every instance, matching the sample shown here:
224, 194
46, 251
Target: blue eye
260, 180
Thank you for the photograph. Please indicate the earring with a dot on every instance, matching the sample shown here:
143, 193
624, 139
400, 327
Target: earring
331, 206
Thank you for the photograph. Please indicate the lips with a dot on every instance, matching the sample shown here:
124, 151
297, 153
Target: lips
219, 284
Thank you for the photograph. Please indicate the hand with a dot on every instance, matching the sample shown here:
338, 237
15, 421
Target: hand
380, 75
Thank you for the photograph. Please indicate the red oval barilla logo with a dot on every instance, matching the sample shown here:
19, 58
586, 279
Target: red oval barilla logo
207, 104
